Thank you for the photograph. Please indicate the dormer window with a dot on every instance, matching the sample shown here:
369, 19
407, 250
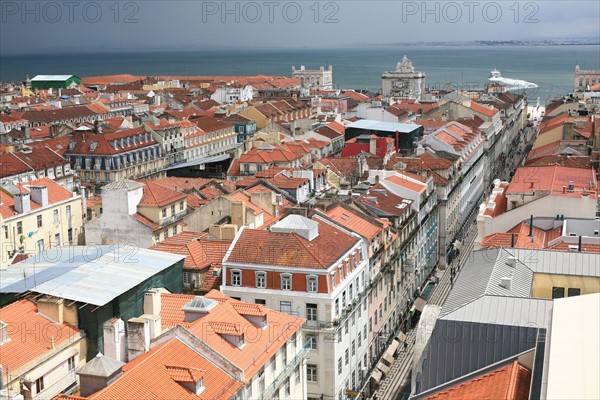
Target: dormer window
231, 332
261, 280
286, 281
312, 284
116, 145
236, 278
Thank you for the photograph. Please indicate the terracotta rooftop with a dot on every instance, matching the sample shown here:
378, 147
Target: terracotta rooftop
354, 222
156, 195
511, 382
56, 194
228, 318
24, 344
554, 180
291, 250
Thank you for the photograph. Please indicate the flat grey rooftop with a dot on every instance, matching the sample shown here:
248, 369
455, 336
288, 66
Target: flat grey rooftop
87, 274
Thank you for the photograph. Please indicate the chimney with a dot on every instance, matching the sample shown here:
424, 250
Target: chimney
564, 189
138, 337
39, 194
512, 240
98, 374
531, 226
152, 302
511, 261
373, 144
53, 308
114, 339
22, 202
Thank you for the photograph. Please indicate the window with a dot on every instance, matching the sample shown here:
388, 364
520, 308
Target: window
573, 292
346, 327
40, 245
337, 307
71, 362
19, 228
285, 307
55, 214
173, 209
311, 373
287, 387
5, 231
181, 206
166, 233
346, 357
186, 278
340, 366
359, 339
39, 384
311, 312
39, 221
164, 213
70, 235
57, 239
297, 375
236, 278
157, 237
312, 340
286, 282
284, 355
311, 284
333, 281
558, 292
353, 347
260, 301
261, 280
274, 363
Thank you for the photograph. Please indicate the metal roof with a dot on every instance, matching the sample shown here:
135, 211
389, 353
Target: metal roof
40, 78
101, 366
501, 310
123, 184
383, 126
87, 274
483, 273
200, 161
559, 262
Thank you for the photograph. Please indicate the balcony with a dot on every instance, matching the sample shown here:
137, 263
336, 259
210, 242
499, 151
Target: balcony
172, 218
270, 391
347, 310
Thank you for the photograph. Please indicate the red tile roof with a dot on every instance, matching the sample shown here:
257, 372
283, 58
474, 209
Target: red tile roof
40, 158
511, 382
156, 195
157, 374
354, 222
483, 109
228, 318
553, 179
291, 250
29, 334
56, 194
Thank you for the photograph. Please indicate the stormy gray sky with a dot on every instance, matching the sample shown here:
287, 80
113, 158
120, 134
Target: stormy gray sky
65, 26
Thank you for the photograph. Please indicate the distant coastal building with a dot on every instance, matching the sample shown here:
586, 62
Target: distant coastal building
404, 81
320, 79
55, 81
584, 79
